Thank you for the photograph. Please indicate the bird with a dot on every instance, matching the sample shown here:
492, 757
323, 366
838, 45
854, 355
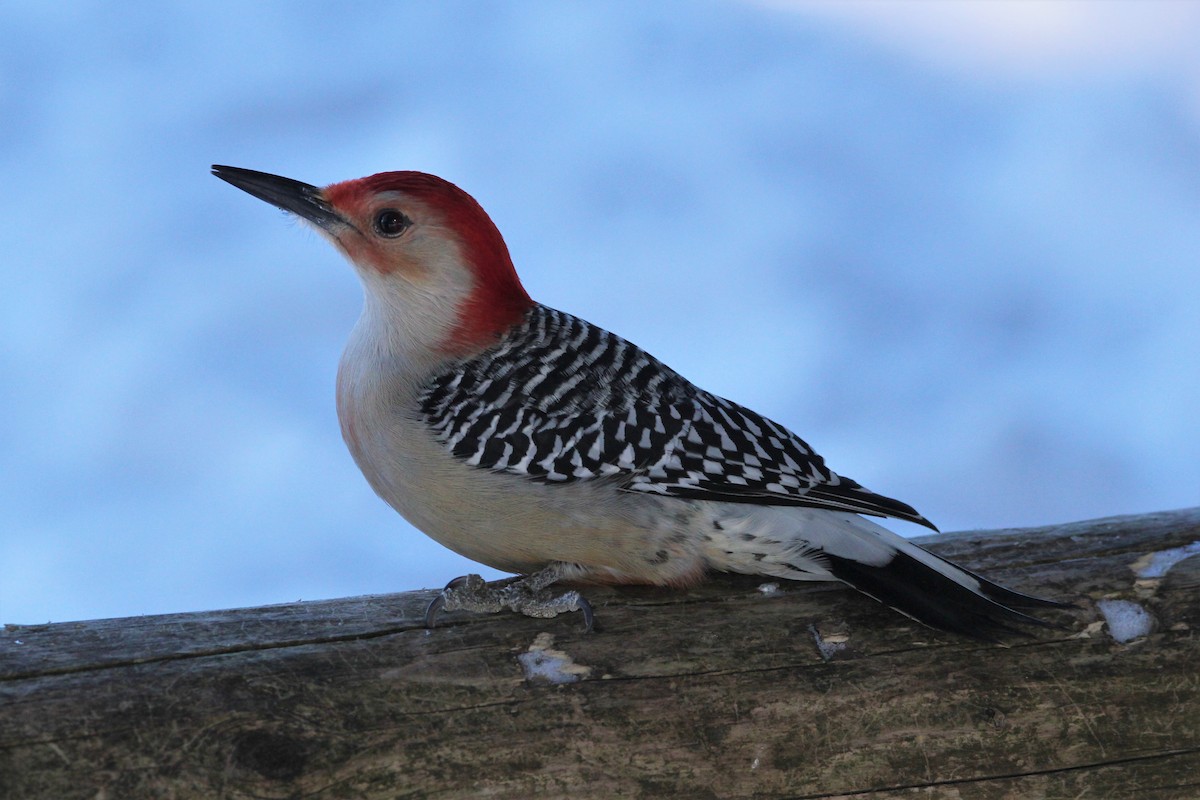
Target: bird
532, 441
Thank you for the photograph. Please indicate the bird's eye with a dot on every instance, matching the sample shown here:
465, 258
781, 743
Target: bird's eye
391, 223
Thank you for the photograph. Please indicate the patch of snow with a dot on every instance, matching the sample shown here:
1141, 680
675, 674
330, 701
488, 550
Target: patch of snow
1157, 565
831, 645
543, 664
1126, 620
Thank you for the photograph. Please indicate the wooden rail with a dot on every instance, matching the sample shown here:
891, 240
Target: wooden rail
735, 689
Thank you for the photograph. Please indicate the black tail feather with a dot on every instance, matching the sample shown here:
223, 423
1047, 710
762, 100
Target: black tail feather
1008, 597
927, 595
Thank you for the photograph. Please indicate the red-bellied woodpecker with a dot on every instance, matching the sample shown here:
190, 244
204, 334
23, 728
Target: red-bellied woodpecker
537, 443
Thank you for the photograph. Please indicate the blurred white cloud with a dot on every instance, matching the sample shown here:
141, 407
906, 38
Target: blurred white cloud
1039, 40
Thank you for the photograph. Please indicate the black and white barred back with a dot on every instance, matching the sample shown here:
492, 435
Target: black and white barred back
560, 400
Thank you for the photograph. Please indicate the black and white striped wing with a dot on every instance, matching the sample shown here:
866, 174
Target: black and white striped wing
560, 400
728, 452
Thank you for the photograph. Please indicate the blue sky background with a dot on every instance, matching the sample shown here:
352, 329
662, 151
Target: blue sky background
955, 247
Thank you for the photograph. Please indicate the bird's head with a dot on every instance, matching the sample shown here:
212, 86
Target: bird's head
428, 255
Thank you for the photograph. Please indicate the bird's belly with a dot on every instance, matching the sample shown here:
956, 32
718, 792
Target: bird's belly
515, 524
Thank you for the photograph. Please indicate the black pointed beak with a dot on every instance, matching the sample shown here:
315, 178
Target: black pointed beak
302, 199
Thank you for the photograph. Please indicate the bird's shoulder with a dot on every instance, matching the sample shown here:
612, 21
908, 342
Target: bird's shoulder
553, 364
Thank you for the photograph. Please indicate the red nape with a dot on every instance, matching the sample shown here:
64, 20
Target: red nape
498, 300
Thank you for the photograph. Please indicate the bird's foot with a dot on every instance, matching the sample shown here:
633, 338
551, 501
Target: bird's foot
526, 595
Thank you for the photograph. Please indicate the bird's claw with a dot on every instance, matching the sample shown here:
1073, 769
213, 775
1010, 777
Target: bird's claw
431, 611
523, 595
589, 618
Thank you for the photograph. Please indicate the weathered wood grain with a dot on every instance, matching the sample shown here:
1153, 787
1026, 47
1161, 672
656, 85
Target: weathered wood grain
721, 691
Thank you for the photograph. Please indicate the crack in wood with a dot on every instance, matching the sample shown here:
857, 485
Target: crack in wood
1116, 762
242, 648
